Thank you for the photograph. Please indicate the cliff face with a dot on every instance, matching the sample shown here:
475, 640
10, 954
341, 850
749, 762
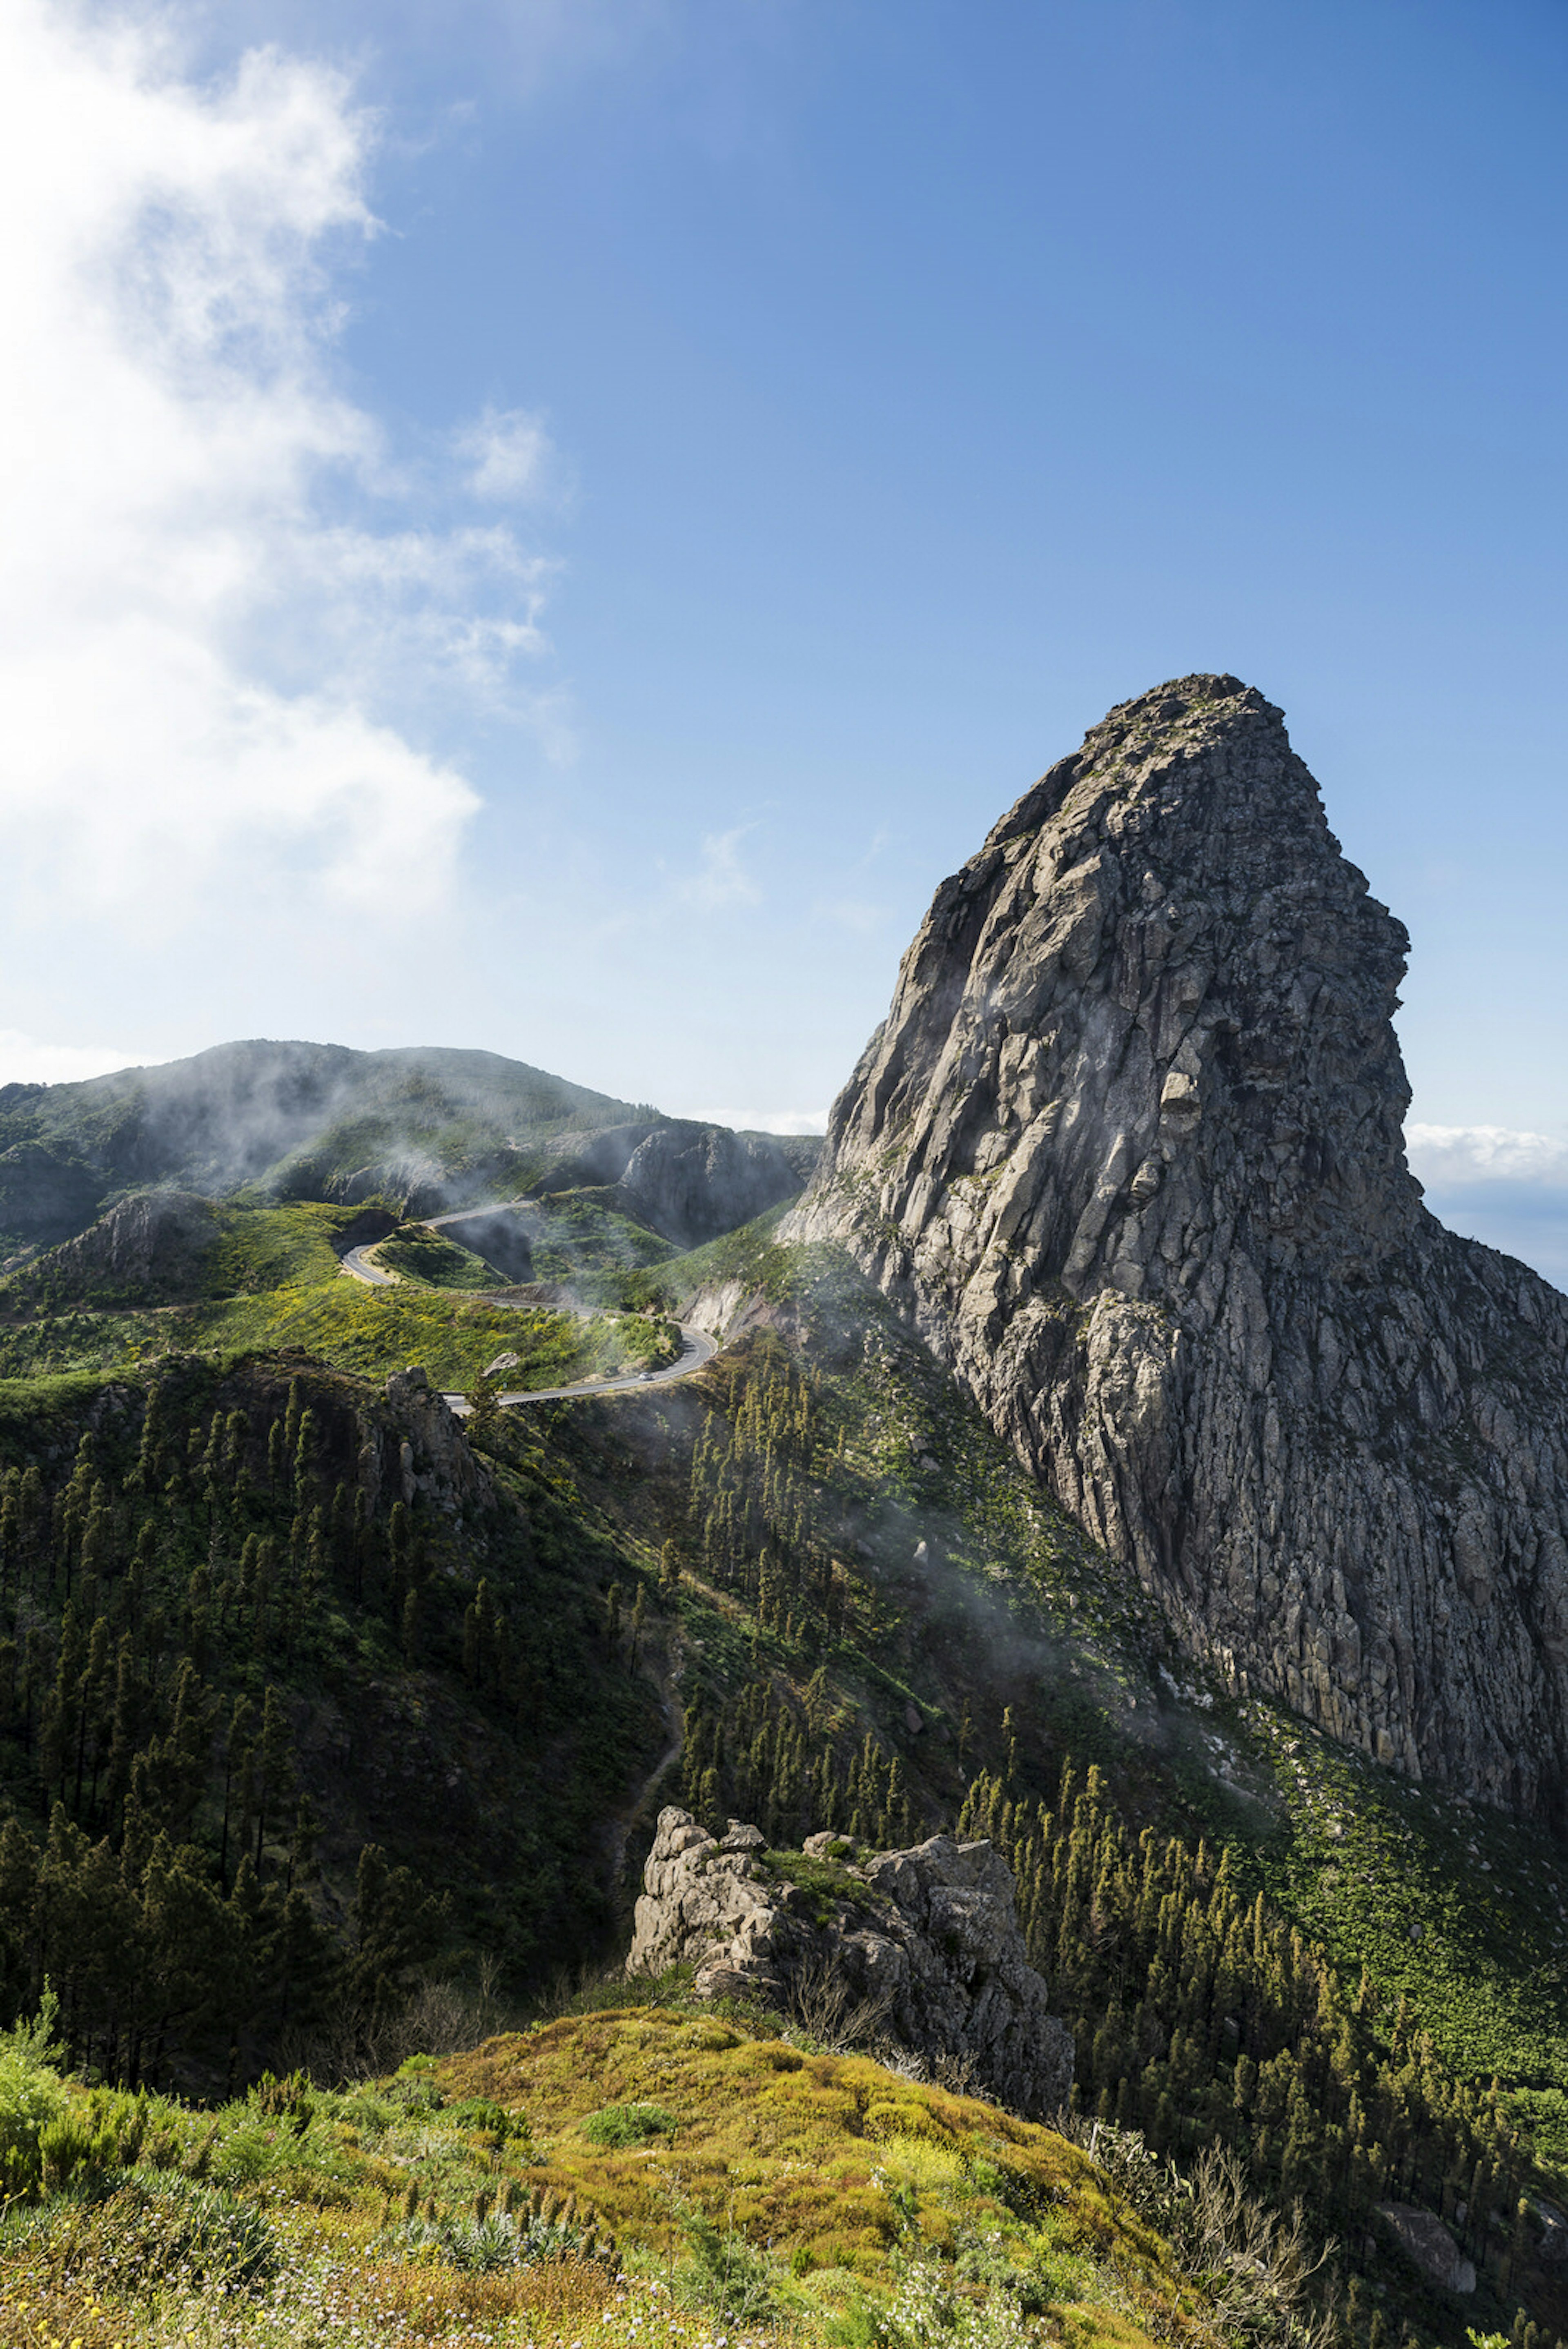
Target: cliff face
1127, 1150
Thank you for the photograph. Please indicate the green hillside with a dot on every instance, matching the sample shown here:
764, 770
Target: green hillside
428, 1127
647, 2173
303, 1767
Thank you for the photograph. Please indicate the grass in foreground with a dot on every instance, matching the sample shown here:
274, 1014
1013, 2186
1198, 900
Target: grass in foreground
641, 2174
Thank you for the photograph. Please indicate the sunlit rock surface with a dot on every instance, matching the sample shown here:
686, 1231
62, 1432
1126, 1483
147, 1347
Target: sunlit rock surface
1128, 1151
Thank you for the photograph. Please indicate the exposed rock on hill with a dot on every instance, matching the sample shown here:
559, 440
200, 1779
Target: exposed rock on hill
693, 1182
156, 1240
425, 1455
1127, 1150
926, 1943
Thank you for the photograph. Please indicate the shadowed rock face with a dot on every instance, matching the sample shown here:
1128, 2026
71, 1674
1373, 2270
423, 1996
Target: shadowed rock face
1127, 1150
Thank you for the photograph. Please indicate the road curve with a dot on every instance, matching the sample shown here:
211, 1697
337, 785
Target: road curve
357, 1263
696, 1347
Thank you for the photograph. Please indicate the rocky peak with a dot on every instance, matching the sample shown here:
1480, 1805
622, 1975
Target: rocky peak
1127, 1150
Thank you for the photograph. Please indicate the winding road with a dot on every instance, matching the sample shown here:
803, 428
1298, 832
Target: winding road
357, 1262
696, 1346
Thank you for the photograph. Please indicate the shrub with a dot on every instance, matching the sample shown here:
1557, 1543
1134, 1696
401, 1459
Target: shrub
286, 2099
479, 2113
71, 2152
177, 2231
616, 2125
498, 2240
31, 2098
722, 2275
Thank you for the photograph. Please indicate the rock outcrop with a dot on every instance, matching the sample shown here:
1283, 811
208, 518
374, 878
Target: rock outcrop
693, 1182
1422, 2237
1127, 1150
156, 1240
924, 1945
423, 1453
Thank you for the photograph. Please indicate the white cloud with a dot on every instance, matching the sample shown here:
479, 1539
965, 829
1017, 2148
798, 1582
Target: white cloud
721, 879
509, 454
1451, 1155
1500, 1184
765, 1120
208, 654
24, 1061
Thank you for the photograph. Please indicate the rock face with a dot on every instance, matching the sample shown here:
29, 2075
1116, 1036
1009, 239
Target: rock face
1127, 1150
424, 1454
926, 1942
693, 1182
1423, 2237
156, 1239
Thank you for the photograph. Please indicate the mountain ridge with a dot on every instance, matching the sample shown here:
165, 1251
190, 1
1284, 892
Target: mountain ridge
430, 1127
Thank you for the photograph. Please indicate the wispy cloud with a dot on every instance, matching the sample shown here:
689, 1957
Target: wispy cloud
210, 640
721, 879
509, 455
766, 1120
1501, 1184
1485, 1154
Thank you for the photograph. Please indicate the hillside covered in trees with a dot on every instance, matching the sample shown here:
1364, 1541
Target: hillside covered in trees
331, 1731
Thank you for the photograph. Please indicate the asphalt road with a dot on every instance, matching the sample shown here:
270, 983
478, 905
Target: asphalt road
371, 1274
696, 1347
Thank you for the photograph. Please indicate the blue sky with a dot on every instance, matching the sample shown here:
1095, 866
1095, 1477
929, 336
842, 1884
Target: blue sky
552, 526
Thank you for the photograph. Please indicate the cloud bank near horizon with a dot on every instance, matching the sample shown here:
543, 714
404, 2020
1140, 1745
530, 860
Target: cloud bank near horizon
1495, 1183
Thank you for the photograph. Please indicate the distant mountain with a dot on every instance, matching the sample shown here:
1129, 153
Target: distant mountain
425, 1127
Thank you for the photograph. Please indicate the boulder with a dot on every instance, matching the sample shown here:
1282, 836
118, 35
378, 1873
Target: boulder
1423, 2238
921, 1947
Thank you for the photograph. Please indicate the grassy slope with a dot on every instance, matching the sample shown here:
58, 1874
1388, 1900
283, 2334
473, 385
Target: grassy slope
273, 1279
851, 2175
414, 1254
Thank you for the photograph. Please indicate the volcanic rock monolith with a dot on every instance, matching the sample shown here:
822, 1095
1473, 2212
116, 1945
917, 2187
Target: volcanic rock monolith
1127, 1150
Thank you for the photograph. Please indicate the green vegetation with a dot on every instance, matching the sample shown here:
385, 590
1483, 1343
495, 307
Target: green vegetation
878, 1607
263, 1248
230, 1652
627, 2124
414, 1253
274, 1281
586, 1242
804, 2198
297, 1774
307, 1122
